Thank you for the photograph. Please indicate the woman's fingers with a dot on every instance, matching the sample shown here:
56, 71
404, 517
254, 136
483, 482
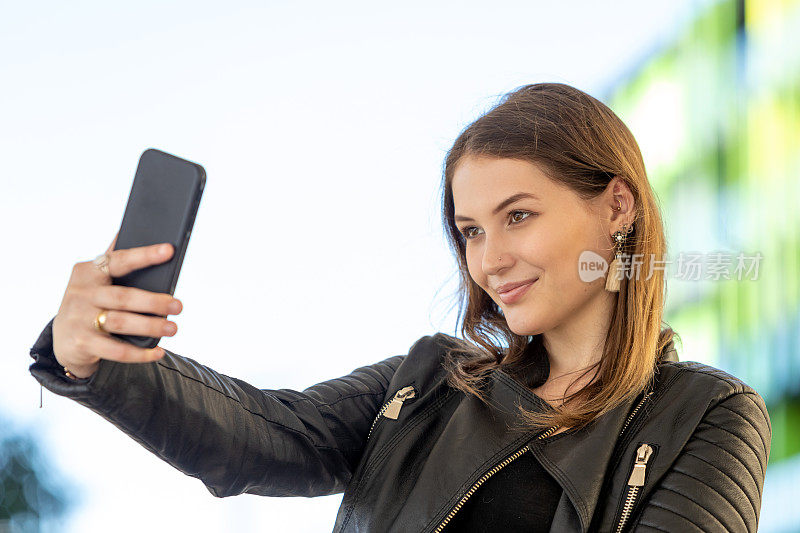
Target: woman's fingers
107, 347
134, 300
122, 262
126, 323
125, 261
77, 345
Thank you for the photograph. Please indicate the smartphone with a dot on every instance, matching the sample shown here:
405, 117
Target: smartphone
162, 206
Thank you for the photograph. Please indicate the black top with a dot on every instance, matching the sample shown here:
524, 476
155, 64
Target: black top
521, 496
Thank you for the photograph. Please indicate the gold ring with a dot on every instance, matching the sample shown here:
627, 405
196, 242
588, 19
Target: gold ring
100, 321
101, 262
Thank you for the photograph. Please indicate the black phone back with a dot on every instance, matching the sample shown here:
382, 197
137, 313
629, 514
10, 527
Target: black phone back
162, 207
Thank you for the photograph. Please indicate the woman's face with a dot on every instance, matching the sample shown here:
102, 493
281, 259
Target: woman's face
538, 238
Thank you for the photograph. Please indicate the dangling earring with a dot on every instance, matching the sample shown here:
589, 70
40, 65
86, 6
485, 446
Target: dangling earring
612, 280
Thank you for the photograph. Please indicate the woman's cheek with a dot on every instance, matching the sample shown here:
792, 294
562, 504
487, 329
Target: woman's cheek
474, 268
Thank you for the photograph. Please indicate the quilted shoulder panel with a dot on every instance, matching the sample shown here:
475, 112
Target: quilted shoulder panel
716, 482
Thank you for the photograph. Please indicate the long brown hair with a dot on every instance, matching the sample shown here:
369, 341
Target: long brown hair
577, 141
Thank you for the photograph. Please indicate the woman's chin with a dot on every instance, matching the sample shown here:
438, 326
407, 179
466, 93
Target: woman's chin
524, 326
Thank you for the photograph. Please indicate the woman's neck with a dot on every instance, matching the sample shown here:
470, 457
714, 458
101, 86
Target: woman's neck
575, 349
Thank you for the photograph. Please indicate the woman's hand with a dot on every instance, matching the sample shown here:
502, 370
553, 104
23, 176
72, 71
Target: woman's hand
78, 345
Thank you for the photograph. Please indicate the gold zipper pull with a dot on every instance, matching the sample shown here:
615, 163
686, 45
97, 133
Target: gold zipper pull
642, 456
393, 409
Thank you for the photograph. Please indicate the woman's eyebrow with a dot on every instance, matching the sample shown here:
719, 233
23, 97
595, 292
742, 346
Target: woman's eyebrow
508, 201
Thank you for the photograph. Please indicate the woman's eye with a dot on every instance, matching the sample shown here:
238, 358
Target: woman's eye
467, 231
519, 212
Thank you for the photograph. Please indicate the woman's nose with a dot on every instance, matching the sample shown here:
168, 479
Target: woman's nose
495, 257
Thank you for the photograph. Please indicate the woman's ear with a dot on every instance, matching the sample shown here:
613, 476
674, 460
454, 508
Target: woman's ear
620, 201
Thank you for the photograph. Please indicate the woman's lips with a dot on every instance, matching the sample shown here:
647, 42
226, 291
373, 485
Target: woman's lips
515, 294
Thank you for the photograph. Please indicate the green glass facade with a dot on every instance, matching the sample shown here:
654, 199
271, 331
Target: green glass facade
717, 116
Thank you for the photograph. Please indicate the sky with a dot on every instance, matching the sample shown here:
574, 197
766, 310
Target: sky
317, 247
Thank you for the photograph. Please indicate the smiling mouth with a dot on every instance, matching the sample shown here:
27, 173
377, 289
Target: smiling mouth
509, 297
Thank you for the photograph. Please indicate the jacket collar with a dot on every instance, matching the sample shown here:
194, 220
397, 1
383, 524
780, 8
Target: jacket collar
483, 437
577, 460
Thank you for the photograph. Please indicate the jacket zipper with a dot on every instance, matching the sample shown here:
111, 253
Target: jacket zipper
632, 492
633, 413
487, 475
391, 409
635, 482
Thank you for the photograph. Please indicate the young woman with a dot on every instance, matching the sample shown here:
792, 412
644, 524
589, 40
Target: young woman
562, 408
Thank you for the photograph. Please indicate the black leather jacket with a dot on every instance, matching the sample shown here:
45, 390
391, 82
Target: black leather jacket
407, 450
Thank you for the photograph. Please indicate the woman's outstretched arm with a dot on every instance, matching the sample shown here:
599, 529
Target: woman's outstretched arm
232, 436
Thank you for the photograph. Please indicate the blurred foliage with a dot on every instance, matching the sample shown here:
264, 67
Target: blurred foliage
30, 499
716, 112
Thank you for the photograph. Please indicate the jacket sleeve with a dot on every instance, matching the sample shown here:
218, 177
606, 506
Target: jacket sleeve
716, 482
232, 436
